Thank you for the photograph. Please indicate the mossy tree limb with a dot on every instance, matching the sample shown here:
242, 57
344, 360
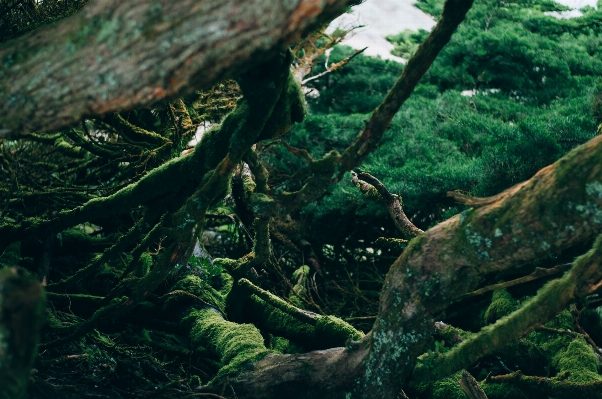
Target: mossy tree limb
532, 386
263, 89
21, 315
105, 59
448, 261
549, 213
550, 301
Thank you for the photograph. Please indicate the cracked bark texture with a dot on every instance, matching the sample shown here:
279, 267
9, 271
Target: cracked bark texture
114, 56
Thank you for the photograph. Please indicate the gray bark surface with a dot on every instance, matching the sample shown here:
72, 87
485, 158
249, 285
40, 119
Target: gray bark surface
114, 55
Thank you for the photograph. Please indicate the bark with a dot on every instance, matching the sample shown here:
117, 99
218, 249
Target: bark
369, 184
471, 387
114, 56
554, 210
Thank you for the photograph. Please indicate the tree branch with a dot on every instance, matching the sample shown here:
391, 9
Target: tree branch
551, 212
366, 183
114, 56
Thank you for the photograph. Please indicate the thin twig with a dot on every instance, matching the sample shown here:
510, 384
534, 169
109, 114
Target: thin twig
538, 273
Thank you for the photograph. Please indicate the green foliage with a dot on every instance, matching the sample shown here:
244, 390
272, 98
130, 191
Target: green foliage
534, 96
517, 49
406, 43
206, 266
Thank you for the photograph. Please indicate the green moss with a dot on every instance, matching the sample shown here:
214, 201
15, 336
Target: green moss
198, 288
300, 282
237, 345
578, 359
279, 344
448, 388
227, 282
453, 335
502, 304
502, 391
552, 343
281, 324
416, 243
143, 265
445, 388
52, 321
332, 331
226, 263
303, 271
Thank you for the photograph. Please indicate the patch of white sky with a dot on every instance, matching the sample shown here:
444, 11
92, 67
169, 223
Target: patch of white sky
380, 18
575, 5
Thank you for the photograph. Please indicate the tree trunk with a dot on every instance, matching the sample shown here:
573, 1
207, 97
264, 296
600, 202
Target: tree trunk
114, 55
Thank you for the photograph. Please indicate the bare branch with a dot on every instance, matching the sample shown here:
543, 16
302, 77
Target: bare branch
471, 387
335, 67
366, 182
538, 273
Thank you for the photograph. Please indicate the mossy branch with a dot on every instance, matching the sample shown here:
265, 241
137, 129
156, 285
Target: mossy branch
539, 272
136, 134
21, 314
271, 299
551, 212
549, 301
176, 44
